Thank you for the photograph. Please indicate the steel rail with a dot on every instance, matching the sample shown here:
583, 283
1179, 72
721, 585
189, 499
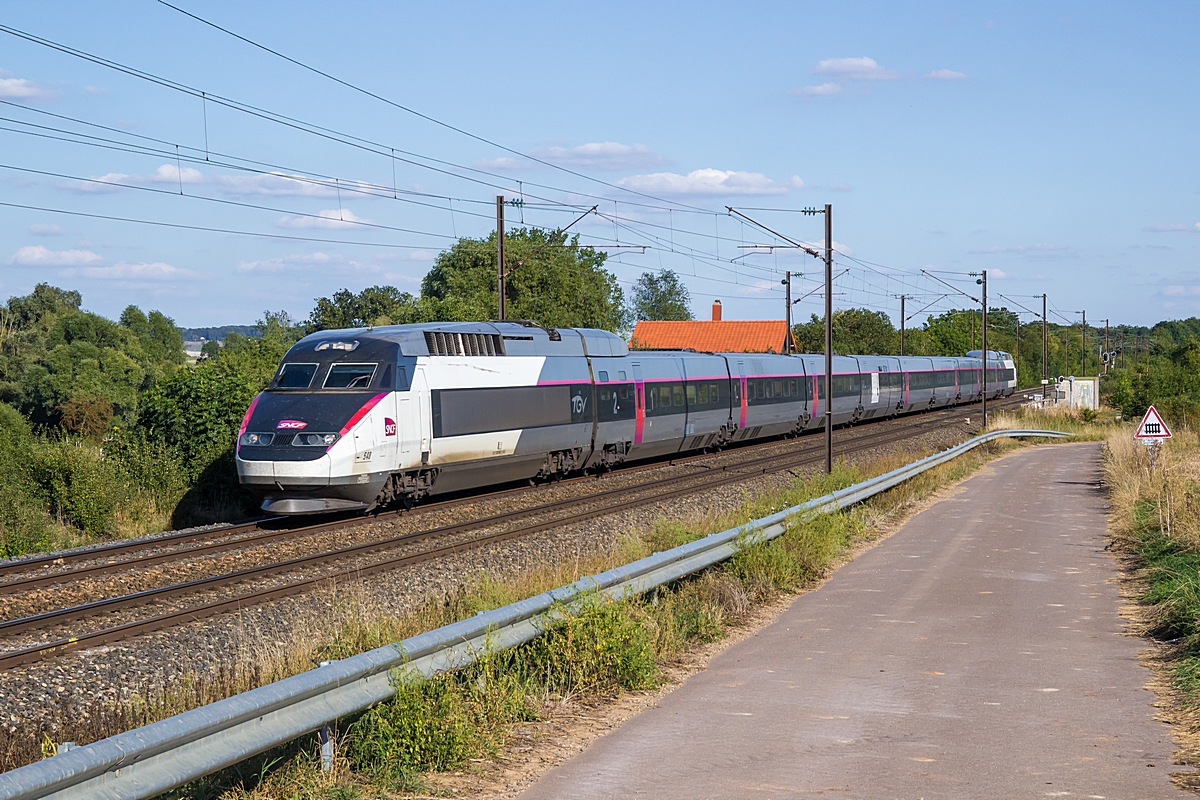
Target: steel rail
41, 578
147, 761
617, 500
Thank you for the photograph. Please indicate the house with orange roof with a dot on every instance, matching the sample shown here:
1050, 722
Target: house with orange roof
714, 336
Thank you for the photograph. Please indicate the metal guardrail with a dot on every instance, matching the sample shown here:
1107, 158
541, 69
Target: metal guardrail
144, 762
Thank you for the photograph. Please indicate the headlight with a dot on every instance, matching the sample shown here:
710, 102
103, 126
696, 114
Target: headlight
256, 438
314, 439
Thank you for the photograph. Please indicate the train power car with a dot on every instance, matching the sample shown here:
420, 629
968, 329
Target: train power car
354, 419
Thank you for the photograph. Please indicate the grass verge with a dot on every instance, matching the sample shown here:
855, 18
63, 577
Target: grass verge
607, 647
456, 720
1155, 524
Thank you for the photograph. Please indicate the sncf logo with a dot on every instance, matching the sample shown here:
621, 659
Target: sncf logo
291, 425
389, 427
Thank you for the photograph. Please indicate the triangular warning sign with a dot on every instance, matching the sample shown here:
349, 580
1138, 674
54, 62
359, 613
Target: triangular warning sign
1152, 426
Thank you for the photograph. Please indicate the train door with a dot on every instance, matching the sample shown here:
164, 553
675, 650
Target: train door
420, 388
741, 393
365, 445
639, 403
387, 432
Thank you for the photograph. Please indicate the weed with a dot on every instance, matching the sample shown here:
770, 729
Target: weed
598, 647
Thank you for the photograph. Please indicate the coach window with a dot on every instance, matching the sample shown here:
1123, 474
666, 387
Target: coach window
603, 376
620, 374
691, 394
677, 392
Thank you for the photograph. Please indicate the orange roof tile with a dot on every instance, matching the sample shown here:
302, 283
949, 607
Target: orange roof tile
716, 336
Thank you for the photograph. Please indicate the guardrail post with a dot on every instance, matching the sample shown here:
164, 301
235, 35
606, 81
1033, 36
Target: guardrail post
64, 747
326, 738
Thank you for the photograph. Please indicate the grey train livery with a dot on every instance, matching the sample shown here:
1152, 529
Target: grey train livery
355, 419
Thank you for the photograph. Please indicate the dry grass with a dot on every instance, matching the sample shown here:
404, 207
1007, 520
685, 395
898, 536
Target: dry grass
1154, 497
1085, 426
700, 610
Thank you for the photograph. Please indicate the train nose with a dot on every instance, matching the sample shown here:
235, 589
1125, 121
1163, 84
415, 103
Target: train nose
301, 474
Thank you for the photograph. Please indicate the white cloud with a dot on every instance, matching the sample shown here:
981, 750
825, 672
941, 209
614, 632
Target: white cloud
46, 229
276, 184
822, 90
124, 270
39, 256
170, 173
22, 89
504, 162
410, 255
294, 262
603, 155
704, 181
1174, 226
329, 218
946, 75
796, 182
997, 273
855, 69
108, 182
113, 181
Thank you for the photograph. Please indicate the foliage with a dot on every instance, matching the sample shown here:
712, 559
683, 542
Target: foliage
23, 521
375, 305
80, 485
855, 331
56, 359
660, 296
1168, 379
551, 280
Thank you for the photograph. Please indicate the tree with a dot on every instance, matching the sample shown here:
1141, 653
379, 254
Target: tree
60, 364
375, 305
855, 331
555, 282
660, 296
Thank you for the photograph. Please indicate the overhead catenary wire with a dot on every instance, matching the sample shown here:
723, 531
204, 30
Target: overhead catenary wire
350, 140
434, 120
294, 173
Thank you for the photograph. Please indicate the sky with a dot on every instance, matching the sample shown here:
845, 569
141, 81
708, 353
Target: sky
1051, 144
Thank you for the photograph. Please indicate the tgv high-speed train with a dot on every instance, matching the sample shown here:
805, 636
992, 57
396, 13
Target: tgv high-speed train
359, 418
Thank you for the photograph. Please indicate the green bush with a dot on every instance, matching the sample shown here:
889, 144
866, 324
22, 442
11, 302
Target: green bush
426, 726
81, 487
24, 525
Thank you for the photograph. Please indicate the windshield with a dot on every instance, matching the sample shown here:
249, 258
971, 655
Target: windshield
350, 376
295, 376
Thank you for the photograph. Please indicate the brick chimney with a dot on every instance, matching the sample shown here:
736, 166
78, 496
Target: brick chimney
716, 310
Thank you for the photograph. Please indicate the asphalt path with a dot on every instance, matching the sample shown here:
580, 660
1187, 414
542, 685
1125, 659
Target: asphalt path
977, 653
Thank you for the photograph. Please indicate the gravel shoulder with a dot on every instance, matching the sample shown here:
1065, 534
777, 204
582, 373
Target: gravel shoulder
86, 679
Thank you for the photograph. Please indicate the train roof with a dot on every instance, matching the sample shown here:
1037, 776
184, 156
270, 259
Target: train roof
518, 338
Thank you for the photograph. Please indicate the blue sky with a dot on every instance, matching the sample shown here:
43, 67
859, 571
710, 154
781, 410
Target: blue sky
1053, 144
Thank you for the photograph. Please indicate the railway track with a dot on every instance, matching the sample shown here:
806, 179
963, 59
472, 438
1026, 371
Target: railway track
364, 559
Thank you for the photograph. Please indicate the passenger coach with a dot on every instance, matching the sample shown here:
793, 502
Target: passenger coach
358, 418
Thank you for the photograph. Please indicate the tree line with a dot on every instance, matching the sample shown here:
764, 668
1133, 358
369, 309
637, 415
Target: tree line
106, 430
